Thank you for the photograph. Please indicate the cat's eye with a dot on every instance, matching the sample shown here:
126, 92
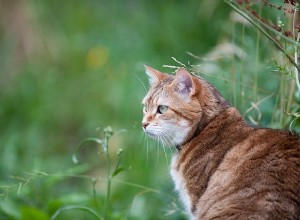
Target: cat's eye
162, 109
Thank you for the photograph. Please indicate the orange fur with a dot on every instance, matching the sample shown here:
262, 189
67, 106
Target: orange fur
225, 169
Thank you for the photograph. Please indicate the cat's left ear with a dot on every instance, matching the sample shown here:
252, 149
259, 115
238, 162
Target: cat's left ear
154, 75
185, 83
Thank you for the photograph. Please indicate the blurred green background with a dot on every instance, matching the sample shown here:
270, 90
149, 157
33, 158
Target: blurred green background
70, 67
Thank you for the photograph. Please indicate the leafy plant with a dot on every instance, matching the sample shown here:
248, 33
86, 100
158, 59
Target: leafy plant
103, 148
284, 38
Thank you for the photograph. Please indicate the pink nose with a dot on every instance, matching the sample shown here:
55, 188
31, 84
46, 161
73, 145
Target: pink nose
145, 124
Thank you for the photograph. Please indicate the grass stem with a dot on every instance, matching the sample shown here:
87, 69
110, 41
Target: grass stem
75, 207
296, 69
256, 25
109, 177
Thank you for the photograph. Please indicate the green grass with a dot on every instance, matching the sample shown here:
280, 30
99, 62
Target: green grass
87, 73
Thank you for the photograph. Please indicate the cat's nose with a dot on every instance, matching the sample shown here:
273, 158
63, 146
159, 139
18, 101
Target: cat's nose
145, 124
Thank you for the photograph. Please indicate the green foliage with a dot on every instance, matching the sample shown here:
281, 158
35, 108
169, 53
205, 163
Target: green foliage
77, 65
33, 213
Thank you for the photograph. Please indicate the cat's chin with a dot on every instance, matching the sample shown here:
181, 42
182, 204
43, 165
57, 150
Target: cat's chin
155, 137
162, 140
151, 134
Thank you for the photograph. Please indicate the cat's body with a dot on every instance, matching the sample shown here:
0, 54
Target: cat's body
232, 171
224, 169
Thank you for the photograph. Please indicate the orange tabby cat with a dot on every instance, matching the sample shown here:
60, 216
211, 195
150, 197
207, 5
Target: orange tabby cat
223, 168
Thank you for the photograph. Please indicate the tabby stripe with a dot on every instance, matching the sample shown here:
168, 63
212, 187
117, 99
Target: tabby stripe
181, 115
206, 140
154, 96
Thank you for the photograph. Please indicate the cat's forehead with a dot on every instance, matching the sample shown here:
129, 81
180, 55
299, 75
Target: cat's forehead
157, 95
153, 96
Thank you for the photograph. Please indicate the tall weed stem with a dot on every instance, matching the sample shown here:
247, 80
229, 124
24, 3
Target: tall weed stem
264, 32
107, 134
296, 9
104, 148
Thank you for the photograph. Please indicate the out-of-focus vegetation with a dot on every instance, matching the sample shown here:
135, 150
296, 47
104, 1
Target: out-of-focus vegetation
69, 69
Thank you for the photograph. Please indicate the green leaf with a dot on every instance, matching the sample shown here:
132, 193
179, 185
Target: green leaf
10, 208
82, 143
117, 171
32, 213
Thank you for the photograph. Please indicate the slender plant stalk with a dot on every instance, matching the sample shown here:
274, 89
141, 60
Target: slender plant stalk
296, 69
255, 81
108, 187
104, 144
242, 71
291, 95
94, 181
233, 71
292, 83
279, 34
282, 104
246, 16
256, 61
138, 186
75, 207
296, 9
233, 82
274, 114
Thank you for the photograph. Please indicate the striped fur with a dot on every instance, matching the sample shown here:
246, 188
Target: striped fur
225, 169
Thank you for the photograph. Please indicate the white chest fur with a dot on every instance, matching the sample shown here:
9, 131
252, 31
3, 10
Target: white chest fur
180, 186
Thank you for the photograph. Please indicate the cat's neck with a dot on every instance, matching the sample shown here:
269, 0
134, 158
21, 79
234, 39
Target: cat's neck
219, 125
227, 118
212, 104
208, 148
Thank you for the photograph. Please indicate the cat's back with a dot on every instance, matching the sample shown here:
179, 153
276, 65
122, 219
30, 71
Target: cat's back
258, 178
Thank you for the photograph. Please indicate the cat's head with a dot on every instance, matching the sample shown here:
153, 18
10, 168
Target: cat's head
177, 106
171, 108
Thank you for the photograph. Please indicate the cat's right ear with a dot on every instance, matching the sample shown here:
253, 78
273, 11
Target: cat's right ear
154, 75
185, 83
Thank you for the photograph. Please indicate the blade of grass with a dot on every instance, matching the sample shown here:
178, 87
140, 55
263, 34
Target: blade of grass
75, 207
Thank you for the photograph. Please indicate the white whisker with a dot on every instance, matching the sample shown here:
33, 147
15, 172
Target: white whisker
147, 149
173, 144
166, 141
142, 139
141, 82
158, 152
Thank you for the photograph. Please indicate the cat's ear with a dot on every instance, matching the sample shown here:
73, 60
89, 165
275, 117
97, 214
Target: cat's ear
185, 83
154, 75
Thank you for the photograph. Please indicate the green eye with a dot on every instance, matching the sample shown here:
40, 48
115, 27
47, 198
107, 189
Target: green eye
162, 109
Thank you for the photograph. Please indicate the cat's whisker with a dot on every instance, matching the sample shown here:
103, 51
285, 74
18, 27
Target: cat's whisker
173, 132
162, 138
168, 139
141, 83
164, 147
158, 152
172, 145
147, 149
143, 139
